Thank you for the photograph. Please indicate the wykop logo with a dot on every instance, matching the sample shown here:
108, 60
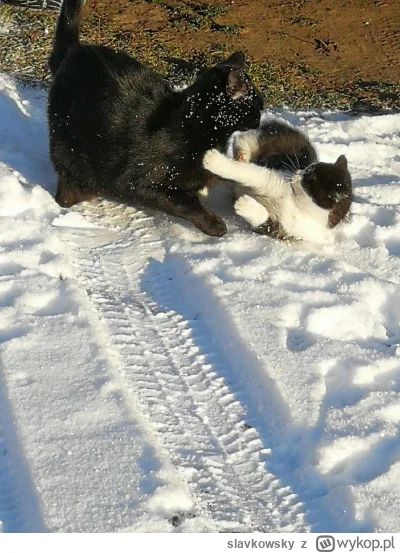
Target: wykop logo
325, 544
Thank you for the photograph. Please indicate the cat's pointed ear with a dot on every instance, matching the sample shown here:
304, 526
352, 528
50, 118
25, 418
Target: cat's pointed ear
341, 162
237, 84
237, 60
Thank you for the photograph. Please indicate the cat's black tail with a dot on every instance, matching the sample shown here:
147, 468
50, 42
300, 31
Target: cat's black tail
67, 32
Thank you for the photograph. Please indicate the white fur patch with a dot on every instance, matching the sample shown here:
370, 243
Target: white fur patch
301, 217
254, 213
247, 144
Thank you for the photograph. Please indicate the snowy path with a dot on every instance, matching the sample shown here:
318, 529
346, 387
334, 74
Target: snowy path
161, 380
178, 384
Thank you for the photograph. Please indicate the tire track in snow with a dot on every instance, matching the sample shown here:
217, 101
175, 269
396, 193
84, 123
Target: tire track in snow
193, 409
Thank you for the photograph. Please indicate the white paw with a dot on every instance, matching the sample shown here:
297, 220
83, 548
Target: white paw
203, 192
246, 205
212, 159
254, 213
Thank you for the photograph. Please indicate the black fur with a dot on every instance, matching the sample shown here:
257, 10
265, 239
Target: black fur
282, 147
118, 129
67, 32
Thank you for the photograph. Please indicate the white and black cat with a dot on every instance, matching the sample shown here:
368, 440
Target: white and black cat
283, 190
119, 130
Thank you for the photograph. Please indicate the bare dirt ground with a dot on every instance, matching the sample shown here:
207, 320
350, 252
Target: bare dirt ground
303, 53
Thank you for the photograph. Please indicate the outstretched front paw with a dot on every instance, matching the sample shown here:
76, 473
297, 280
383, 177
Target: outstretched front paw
251, 210
212, 160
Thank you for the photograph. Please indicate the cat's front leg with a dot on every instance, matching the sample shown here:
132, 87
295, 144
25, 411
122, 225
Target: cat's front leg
219, 164
251, 210
248, 174
185, 205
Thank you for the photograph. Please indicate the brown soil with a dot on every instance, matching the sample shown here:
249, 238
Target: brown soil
336, 45
311, 53
343, 39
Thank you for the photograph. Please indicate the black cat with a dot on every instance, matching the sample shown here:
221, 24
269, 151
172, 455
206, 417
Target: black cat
119, 130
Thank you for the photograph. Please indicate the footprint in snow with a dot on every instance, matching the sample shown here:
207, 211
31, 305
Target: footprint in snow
298, 340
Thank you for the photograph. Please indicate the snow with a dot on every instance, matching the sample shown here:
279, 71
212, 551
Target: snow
153, 379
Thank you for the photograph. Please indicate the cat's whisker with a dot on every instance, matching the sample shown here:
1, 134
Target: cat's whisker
291, 163
287, 166
297, 159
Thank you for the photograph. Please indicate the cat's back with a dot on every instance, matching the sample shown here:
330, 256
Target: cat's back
102, 109
284, 147
100, 96
102, 74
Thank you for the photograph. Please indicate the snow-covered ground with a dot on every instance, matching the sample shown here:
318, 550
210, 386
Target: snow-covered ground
155, 379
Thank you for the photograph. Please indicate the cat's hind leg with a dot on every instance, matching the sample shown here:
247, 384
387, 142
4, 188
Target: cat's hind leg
258, 217
251, 210
274, 229
69, 194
